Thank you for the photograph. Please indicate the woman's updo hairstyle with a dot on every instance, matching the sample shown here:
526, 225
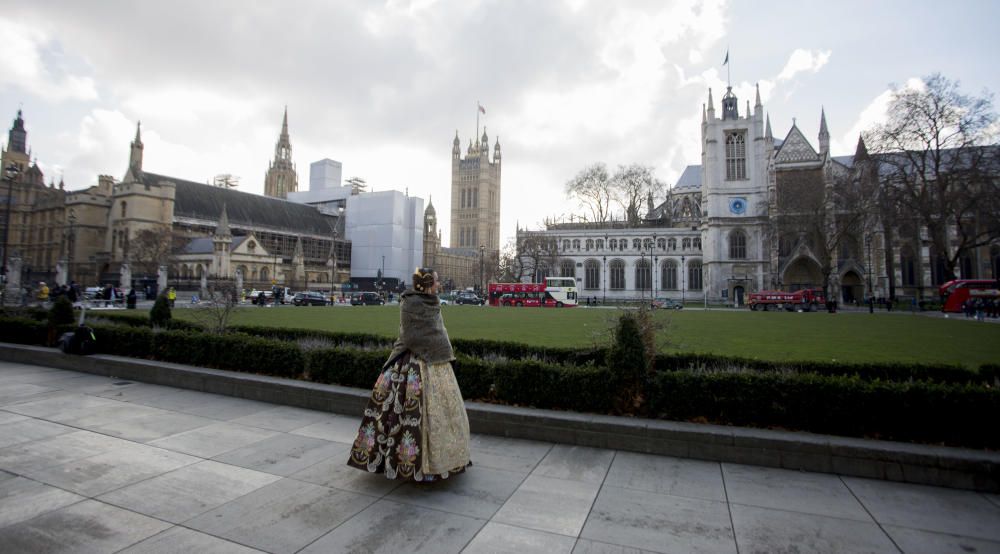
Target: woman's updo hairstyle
423, 279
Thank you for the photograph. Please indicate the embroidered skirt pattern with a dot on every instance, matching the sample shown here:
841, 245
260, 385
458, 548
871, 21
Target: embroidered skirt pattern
393, 438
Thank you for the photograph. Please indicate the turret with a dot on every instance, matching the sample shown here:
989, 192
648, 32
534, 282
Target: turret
711, 105
17, 138
456, 149
730, 105
496, 151
484, 149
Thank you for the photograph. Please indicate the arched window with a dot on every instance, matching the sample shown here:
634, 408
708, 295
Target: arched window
623, 244
647, 244
567, 268
907, 267
576, 244
543, 272
737, 245
672, 244
668, 275
696, 244
263, 274
124, 207
565, 245
600, 244
616, 277
995, 261
736, 155
589, 244
613, 244
643, 277
967, 267
463, 198
591, 275
199, 271
661, 244
694, 275
685, 244
636, 244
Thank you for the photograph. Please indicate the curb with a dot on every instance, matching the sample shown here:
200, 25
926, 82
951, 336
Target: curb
941, 466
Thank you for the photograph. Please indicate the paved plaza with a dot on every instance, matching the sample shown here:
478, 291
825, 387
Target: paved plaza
97, 464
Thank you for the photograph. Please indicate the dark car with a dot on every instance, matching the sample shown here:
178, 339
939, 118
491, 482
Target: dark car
309, 299
469, 298
366, 299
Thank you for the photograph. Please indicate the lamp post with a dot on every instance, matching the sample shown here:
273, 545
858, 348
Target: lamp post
381, 275
871, 296
605, 281
70, 240
482, 253
9, 175
683, 271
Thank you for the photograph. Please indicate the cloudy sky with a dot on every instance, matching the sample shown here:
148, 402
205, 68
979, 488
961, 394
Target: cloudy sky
383, 86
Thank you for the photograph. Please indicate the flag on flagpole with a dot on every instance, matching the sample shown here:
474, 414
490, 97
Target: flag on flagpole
481, 108
727, 57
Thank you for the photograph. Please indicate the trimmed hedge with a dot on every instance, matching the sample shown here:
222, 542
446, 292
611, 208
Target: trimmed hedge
345, 366
533, 383
957, 414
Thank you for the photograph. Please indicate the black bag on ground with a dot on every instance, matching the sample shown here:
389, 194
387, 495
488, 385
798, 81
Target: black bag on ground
80, 341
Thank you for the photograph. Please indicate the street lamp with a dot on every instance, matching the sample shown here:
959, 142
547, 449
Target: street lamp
605, 281
9, 175
683, 271
871, 296
482, 253
70, 240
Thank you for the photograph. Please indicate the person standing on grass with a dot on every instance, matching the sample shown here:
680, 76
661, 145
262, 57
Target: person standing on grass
415, 426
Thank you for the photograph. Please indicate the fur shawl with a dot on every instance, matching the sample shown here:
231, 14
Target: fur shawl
421, 329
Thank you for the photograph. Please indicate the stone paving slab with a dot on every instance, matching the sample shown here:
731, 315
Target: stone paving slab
278, 483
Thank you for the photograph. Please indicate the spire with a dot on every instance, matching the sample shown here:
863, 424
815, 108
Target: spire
861, 153
703, 117
134, 172
824, 133
17, 139
222, 229
711, 103
757, 103
485, 142
767, 129
284, 123
138, 132
496, 150
456, 149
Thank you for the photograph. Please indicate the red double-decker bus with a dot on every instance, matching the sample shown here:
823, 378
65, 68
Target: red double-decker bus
955, 293
555, 292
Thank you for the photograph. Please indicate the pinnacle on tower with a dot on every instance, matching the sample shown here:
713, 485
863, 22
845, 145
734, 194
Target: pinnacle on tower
711, 103
222, 229
757, 103
767, 129
824, 133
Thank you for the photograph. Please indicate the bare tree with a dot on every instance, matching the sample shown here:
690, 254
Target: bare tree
938, 168
630, 185
152, 248
592, 189
535, 252
215, 311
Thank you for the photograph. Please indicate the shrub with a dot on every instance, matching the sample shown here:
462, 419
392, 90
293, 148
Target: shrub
160, 315
630, 359
61, 312
23, 330
233, 352
533, 383
347, 367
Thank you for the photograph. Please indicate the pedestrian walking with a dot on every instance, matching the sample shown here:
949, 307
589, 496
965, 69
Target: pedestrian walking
171, 296
415, 426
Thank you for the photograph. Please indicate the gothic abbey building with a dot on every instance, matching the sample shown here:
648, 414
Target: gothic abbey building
148, 225
758, 213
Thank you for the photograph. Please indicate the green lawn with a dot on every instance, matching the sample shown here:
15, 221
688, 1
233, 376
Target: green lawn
849, 337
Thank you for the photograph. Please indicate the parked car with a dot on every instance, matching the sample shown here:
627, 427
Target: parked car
310, 298
254, 296
665, 304
366, 299
469, 298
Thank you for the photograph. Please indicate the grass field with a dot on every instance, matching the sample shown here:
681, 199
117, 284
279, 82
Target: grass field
848, 337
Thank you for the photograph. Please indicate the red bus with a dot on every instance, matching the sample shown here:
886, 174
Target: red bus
555, 292
955, 293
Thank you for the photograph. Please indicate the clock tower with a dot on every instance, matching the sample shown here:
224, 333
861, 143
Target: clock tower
737, 154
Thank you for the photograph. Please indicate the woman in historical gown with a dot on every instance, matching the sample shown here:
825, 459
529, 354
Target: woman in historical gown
415, 426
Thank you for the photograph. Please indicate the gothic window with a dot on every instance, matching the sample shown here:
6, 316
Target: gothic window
613, 244
567, 268
696, 244
623, 244
114, 242
591, 275
736, 155
463, 198
694, 275
685, 244
668, 275
565, 245
576, 244
647, 244
124, 207
737, 245
589, 244
995, 261
938, 270
600, 244
617, 275
475, 237
643, 277
672, 244
543, 272
661, 244
475, 198
636, 244
966, 267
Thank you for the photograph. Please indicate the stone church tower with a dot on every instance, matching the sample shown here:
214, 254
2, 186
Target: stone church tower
280, 178
432, 238
736, 158
475, 196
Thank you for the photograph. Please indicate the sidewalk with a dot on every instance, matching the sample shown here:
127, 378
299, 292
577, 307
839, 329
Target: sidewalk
96, 464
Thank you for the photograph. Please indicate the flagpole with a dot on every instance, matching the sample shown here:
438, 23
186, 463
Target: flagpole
729, 80
477, 121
